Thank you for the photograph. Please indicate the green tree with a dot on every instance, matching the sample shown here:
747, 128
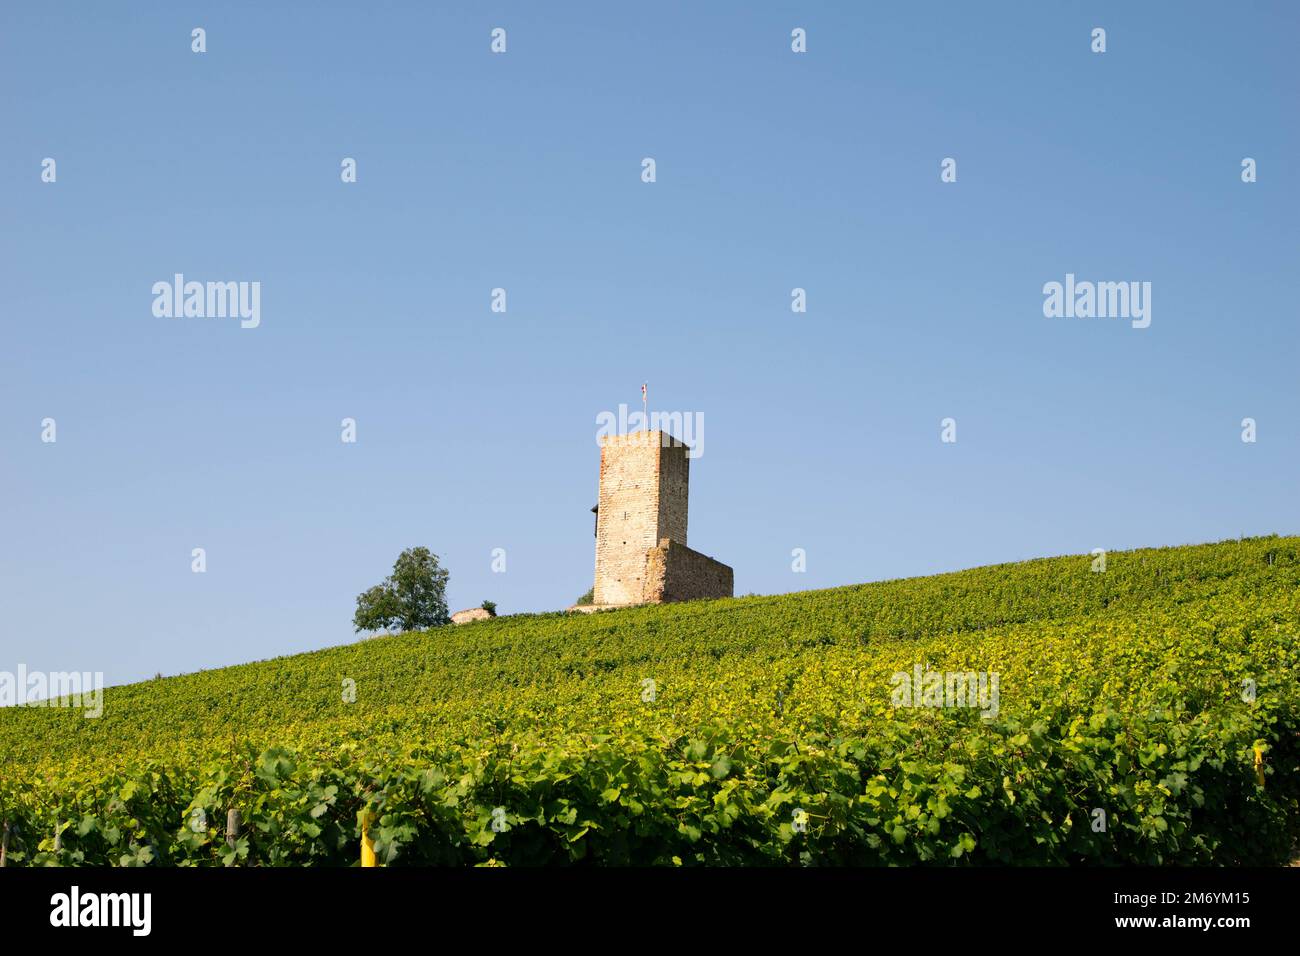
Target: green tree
413, 597
377, 608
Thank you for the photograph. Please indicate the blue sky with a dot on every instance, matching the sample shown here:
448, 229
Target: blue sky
476, 430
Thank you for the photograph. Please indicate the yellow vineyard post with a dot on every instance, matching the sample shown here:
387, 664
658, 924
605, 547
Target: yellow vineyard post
367, 844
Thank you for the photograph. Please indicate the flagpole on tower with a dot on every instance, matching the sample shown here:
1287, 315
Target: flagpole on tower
645, 415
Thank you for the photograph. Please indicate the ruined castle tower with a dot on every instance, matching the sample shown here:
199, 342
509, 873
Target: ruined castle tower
641, 553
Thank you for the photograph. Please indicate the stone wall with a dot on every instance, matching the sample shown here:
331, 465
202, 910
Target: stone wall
676, 573
674, 491
470, 614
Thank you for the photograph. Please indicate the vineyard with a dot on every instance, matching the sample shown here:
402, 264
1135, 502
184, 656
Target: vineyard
1145, 714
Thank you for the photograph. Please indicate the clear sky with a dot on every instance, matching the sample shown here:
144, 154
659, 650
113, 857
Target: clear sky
523, 171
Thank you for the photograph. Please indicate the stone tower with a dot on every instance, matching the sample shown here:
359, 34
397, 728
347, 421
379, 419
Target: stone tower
641, 553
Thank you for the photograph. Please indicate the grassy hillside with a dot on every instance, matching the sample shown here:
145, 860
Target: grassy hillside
767, 736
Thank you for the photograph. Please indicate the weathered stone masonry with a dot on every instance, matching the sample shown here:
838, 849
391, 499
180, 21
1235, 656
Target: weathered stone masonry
676, 573
641, 552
